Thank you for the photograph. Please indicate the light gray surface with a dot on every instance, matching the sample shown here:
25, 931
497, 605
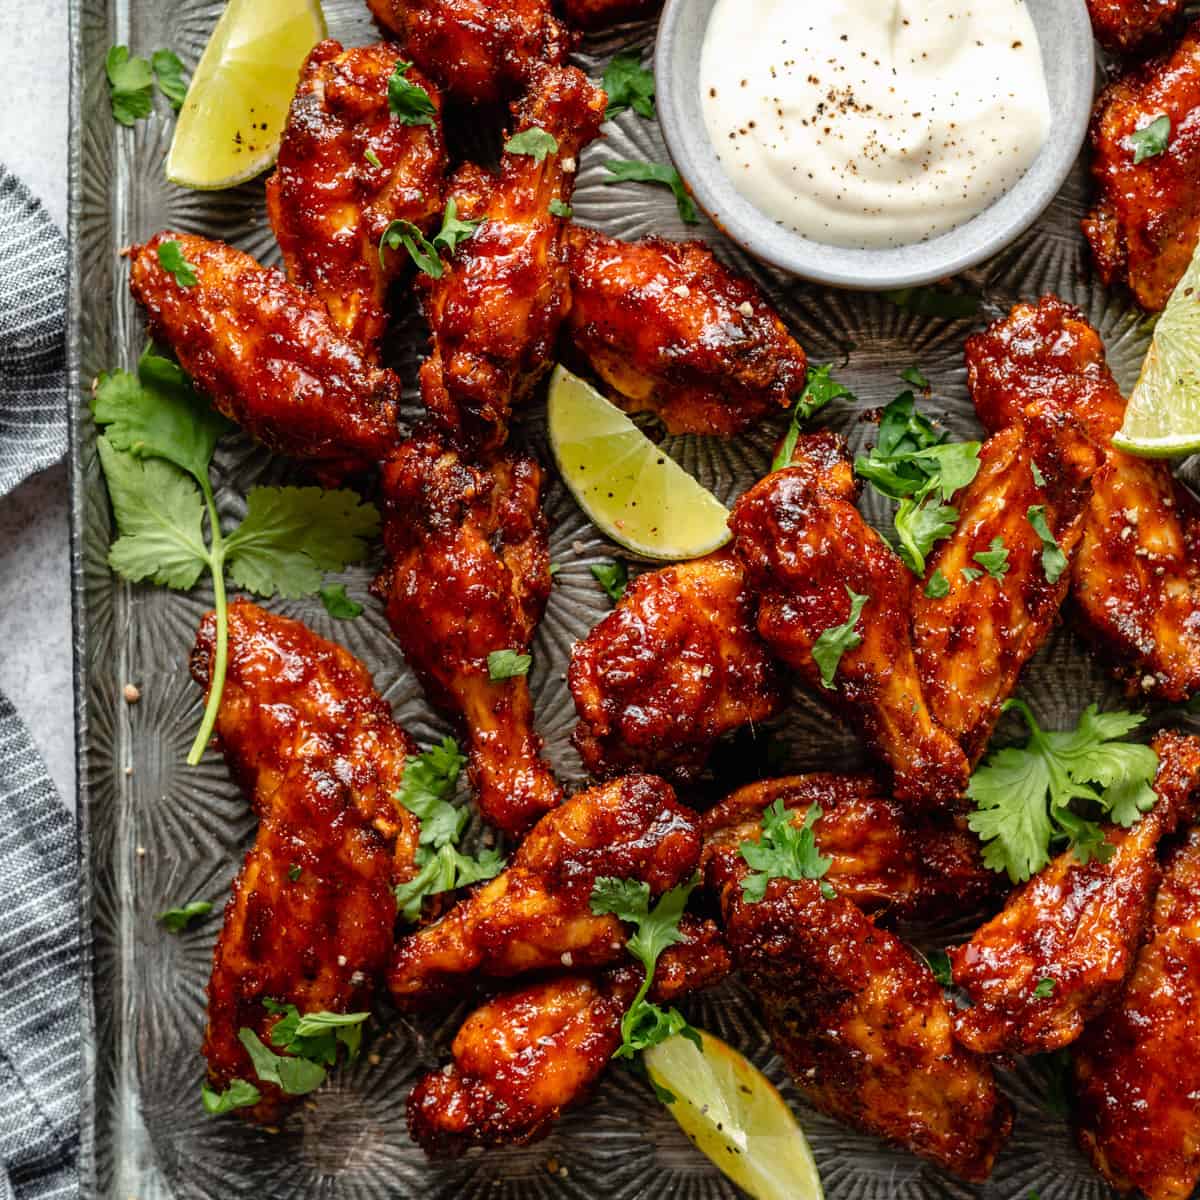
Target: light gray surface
35, 607
1069, 54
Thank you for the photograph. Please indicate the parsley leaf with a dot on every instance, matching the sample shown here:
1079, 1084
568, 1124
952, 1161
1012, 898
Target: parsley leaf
939, 964
1054, 789
1044, 989
613, 577
994, 560
338, 604
935, 302
785, 851
648, 172
168, 71
828, 649
130, 85
645, 1024
938, 586
819, 389
560, 208
293, 1076
409, 102
507, 664
628, 85
1054, 561
534, 142
1151, 140
176, 920
239, 1094
170, 256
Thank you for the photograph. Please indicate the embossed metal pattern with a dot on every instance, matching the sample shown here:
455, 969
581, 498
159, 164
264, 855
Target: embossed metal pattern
155, 833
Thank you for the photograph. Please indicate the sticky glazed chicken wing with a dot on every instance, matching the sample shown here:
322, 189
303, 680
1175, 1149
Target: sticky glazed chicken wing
481, 51
1135, 582
312, 912
806, 547
538, 910
1075, 925
1123, 25
676, 665
973, 642
495, 311
599, 14
862, 1025
880, 858
329, 203
527, 1055
267, 353
1146, 221
675, 333
1137, 1074
468, 577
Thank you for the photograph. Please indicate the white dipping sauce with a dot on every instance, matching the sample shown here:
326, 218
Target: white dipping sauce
873, 123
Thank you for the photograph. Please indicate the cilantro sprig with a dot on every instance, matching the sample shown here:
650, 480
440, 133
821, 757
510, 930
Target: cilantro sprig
131, 81
427, 254
409, 102
176, 920
157, 444
624, 170
536, 143
613, 577
507, 664
784, 851
646, 1024
1151, 140
1054, 791
628, 85
819, 389
428, 782
837, 640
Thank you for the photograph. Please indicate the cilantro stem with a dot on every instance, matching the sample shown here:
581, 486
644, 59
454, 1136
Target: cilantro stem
216, 564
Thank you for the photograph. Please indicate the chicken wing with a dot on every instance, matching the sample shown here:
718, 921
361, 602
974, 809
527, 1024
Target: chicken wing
1123, 25
311, 916
861, 1023
527, 1055
536, 915
1137, 1074
1146, 221
676, 665
880, 858
599, 14
347, 168
496, 309
481, 51
267, 353
973, 642
1077, 926
675, 333
806, 548
468, 577
1135, 582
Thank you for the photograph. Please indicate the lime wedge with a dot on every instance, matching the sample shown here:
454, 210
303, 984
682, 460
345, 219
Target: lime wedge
730, 1110
637, 495
1163, 416
237, 103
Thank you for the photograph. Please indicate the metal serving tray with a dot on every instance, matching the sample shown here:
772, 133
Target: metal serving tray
155, 833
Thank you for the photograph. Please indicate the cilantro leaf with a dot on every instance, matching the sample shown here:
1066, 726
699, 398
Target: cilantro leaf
372, 157
337, 604
939, 964
409, 102
938, 586
628, 85
1151, 140
819, 390
648, 172
1054, 561
404, 233
170, 256
560, 208
935, 302
294, 872
239, 1094
316, 1036
294, 1076
176, 920
168, 71
1044, 989
444, 870
970, 574
914, 376
828, 649
454, 231
613, 577
785, 851
1038, 477
130, 85
534, 142
507, 664
994, 560
919, 527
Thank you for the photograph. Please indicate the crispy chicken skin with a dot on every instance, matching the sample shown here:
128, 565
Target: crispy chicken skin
538, 909
481, 51
860, 1021
1137, 1074
804, 544
1079, 926
1135, 582
1123, 25
267, 353
527, 1055
328, 205
320, 756
1146, 221
468, 576
972, 644
599, 14
672, 668
675, 333
881, 859
496, 310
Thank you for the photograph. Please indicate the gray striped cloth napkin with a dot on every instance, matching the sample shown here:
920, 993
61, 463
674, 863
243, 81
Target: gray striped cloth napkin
39, 919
